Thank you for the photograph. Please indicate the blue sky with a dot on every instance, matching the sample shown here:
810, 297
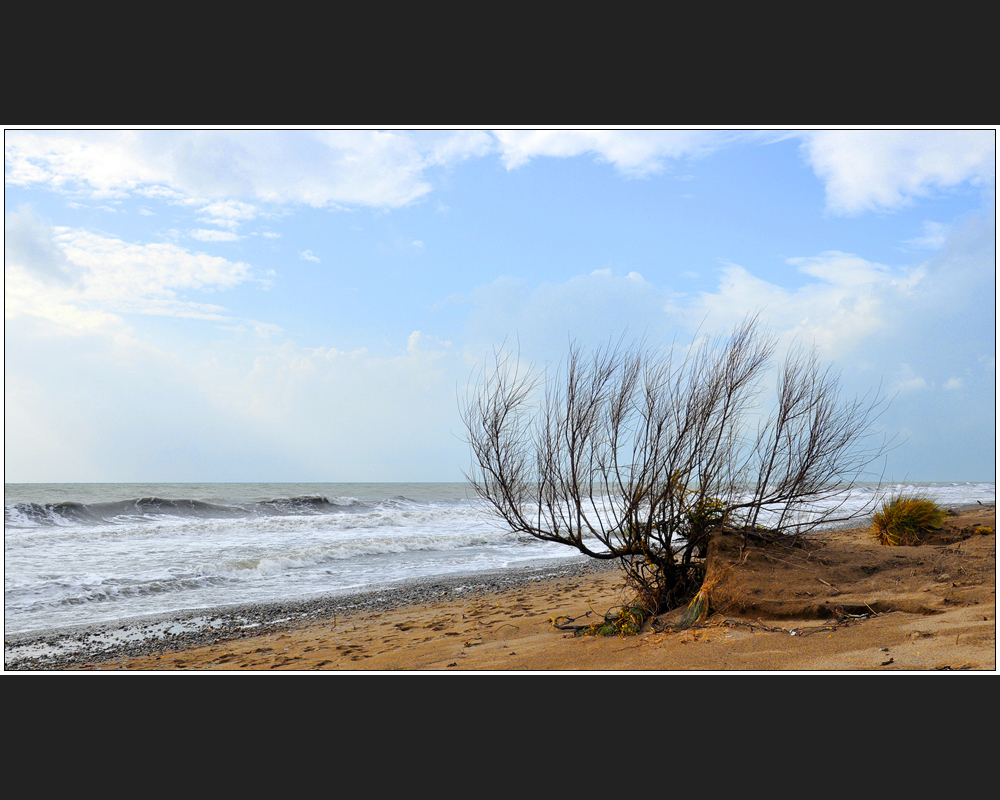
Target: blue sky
306, 305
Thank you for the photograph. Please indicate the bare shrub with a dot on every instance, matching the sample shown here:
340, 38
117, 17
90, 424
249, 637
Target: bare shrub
633, 453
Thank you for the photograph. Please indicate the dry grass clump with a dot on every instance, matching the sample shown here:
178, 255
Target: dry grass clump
905, 520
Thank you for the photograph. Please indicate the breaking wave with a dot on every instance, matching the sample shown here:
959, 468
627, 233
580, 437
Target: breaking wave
30, 515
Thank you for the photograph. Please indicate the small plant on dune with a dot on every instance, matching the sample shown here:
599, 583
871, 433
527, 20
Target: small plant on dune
904, 520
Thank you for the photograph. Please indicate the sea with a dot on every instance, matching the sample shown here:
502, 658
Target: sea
83, 554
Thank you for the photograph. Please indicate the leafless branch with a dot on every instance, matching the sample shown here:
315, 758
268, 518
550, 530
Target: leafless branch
639, 453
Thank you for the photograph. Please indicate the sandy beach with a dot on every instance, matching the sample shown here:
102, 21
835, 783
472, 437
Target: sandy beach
839, 602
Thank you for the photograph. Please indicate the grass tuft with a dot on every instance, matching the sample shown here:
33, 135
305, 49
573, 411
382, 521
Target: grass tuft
906, 520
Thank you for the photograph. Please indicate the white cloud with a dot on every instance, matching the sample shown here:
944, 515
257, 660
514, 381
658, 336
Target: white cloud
934, 235
417, 344
456, 146
28, 243
104, 163
635, 153
841, 269
307, 255
228, 173
204, 235
58, 307
115, 270
906, 380
102, 276
906, 331
882, 170
851, 301
228, 213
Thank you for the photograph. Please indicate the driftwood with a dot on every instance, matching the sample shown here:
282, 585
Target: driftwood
566, 626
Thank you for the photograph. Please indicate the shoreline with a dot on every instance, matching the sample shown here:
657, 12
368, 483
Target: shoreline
73, 646
840, 602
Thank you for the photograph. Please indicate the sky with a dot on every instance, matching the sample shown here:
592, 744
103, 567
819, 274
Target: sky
309, 305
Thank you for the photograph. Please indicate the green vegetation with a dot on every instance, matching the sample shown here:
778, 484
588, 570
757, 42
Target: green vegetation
906, 520
627, 622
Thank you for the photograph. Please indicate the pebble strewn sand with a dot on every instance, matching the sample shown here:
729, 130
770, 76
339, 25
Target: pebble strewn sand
93, 644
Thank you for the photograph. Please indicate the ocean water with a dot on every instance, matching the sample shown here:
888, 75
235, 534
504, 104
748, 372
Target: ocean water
81, 554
